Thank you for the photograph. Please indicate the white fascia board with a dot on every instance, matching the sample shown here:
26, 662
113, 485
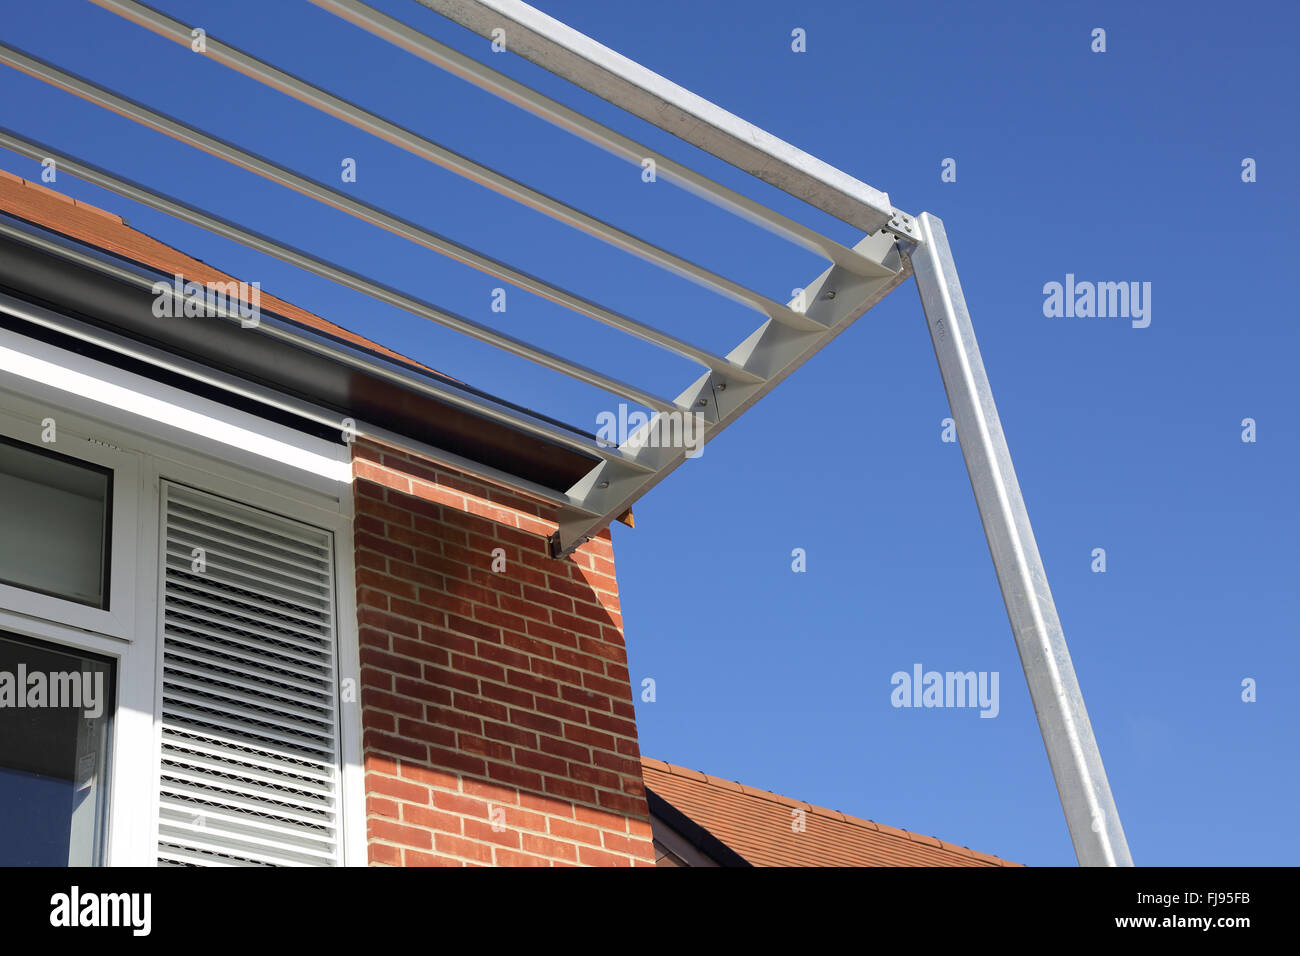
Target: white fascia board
163, 412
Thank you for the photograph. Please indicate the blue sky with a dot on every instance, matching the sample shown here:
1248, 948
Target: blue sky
1116, 166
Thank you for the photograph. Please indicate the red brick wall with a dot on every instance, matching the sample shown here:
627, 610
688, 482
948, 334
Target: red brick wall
496, 706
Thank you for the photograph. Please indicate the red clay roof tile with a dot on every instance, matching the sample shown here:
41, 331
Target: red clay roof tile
757, 824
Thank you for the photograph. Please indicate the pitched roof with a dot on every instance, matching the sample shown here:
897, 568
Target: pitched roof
77, 220
757, 824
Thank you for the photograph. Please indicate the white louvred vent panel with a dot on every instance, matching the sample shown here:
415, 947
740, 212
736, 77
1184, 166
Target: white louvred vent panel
249, 774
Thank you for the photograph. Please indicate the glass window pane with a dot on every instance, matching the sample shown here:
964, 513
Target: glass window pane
54, 524
55, 710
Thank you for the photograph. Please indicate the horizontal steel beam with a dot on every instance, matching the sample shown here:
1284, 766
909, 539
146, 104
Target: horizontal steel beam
578, 58
836, 299
447, 159
321, 267
498, 84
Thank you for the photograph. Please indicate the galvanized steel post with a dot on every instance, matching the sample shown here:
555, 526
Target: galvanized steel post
1072, 750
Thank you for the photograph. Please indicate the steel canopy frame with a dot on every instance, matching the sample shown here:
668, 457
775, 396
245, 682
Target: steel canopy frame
895, 247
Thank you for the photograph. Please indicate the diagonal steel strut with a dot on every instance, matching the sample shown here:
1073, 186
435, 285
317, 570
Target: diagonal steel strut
1072, 750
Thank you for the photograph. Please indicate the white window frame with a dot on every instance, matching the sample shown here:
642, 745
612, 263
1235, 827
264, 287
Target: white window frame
119, 619
147, 432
